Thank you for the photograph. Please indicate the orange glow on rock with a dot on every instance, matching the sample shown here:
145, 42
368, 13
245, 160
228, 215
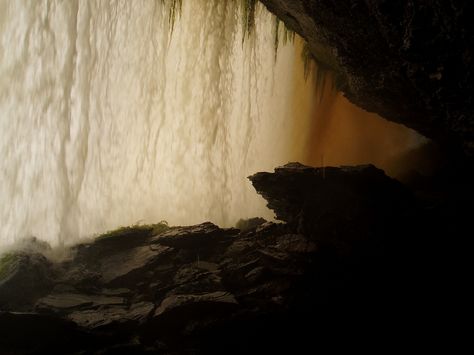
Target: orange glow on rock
329, 130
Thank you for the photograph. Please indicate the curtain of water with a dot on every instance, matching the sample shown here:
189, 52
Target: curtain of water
108, 117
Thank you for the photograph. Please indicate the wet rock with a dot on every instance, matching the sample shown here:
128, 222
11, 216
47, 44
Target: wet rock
93, 319
80, 276
245, 225
120, 266
194, 237
296, 243
64, 288
206, 265
106, 316
240, 246
116, 291
192, 278
121, 239
23, 279
333, 204
410, 62
69, 301
274, 254
255, 274
197, 288
180, 309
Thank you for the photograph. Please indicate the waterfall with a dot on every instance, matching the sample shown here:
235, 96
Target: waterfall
111, 112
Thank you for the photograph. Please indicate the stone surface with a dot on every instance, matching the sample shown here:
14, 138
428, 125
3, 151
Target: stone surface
107, 316
68, 301
346, 263
121, 265
175, 302
194, 236
23, 279
245, 225
333, 204
409, 61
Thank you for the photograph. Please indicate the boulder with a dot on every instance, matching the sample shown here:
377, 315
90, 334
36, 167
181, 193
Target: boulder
194, 237
23, 279
333, 204
120, 266
199, 277
123, 238
195, 289
245, 225
176, 311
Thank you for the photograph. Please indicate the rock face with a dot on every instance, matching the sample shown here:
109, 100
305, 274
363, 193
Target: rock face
326, 276
409, 61
312, 199
349, 210
20, 272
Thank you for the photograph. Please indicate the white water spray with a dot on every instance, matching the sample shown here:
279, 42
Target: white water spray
106, 118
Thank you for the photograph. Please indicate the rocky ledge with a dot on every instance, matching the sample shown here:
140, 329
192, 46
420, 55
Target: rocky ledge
332, 273
409, 61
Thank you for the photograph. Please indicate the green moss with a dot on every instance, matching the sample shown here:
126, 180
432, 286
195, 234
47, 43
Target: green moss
6, 262
319, 61
135, 229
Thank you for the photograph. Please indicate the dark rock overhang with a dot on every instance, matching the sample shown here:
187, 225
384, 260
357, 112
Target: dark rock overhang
410, 62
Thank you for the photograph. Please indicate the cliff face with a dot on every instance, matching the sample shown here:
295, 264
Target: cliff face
409, 61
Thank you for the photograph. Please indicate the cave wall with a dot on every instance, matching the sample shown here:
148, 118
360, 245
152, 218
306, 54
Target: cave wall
409, 61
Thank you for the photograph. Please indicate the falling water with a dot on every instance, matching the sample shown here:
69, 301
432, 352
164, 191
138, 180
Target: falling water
108, 116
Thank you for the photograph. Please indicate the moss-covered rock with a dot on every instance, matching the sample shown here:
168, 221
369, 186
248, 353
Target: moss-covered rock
135, 230
23, 278
6, 264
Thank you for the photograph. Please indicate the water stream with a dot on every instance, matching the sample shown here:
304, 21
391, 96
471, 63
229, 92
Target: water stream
109, 117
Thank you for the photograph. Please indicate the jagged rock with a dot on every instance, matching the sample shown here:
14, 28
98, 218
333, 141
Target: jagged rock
194, 237
122, 239
79, 277
23, 279
245, 225
411, 62
69, 301
240, 246
335, 204
115, 268
197, 288
195, 278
